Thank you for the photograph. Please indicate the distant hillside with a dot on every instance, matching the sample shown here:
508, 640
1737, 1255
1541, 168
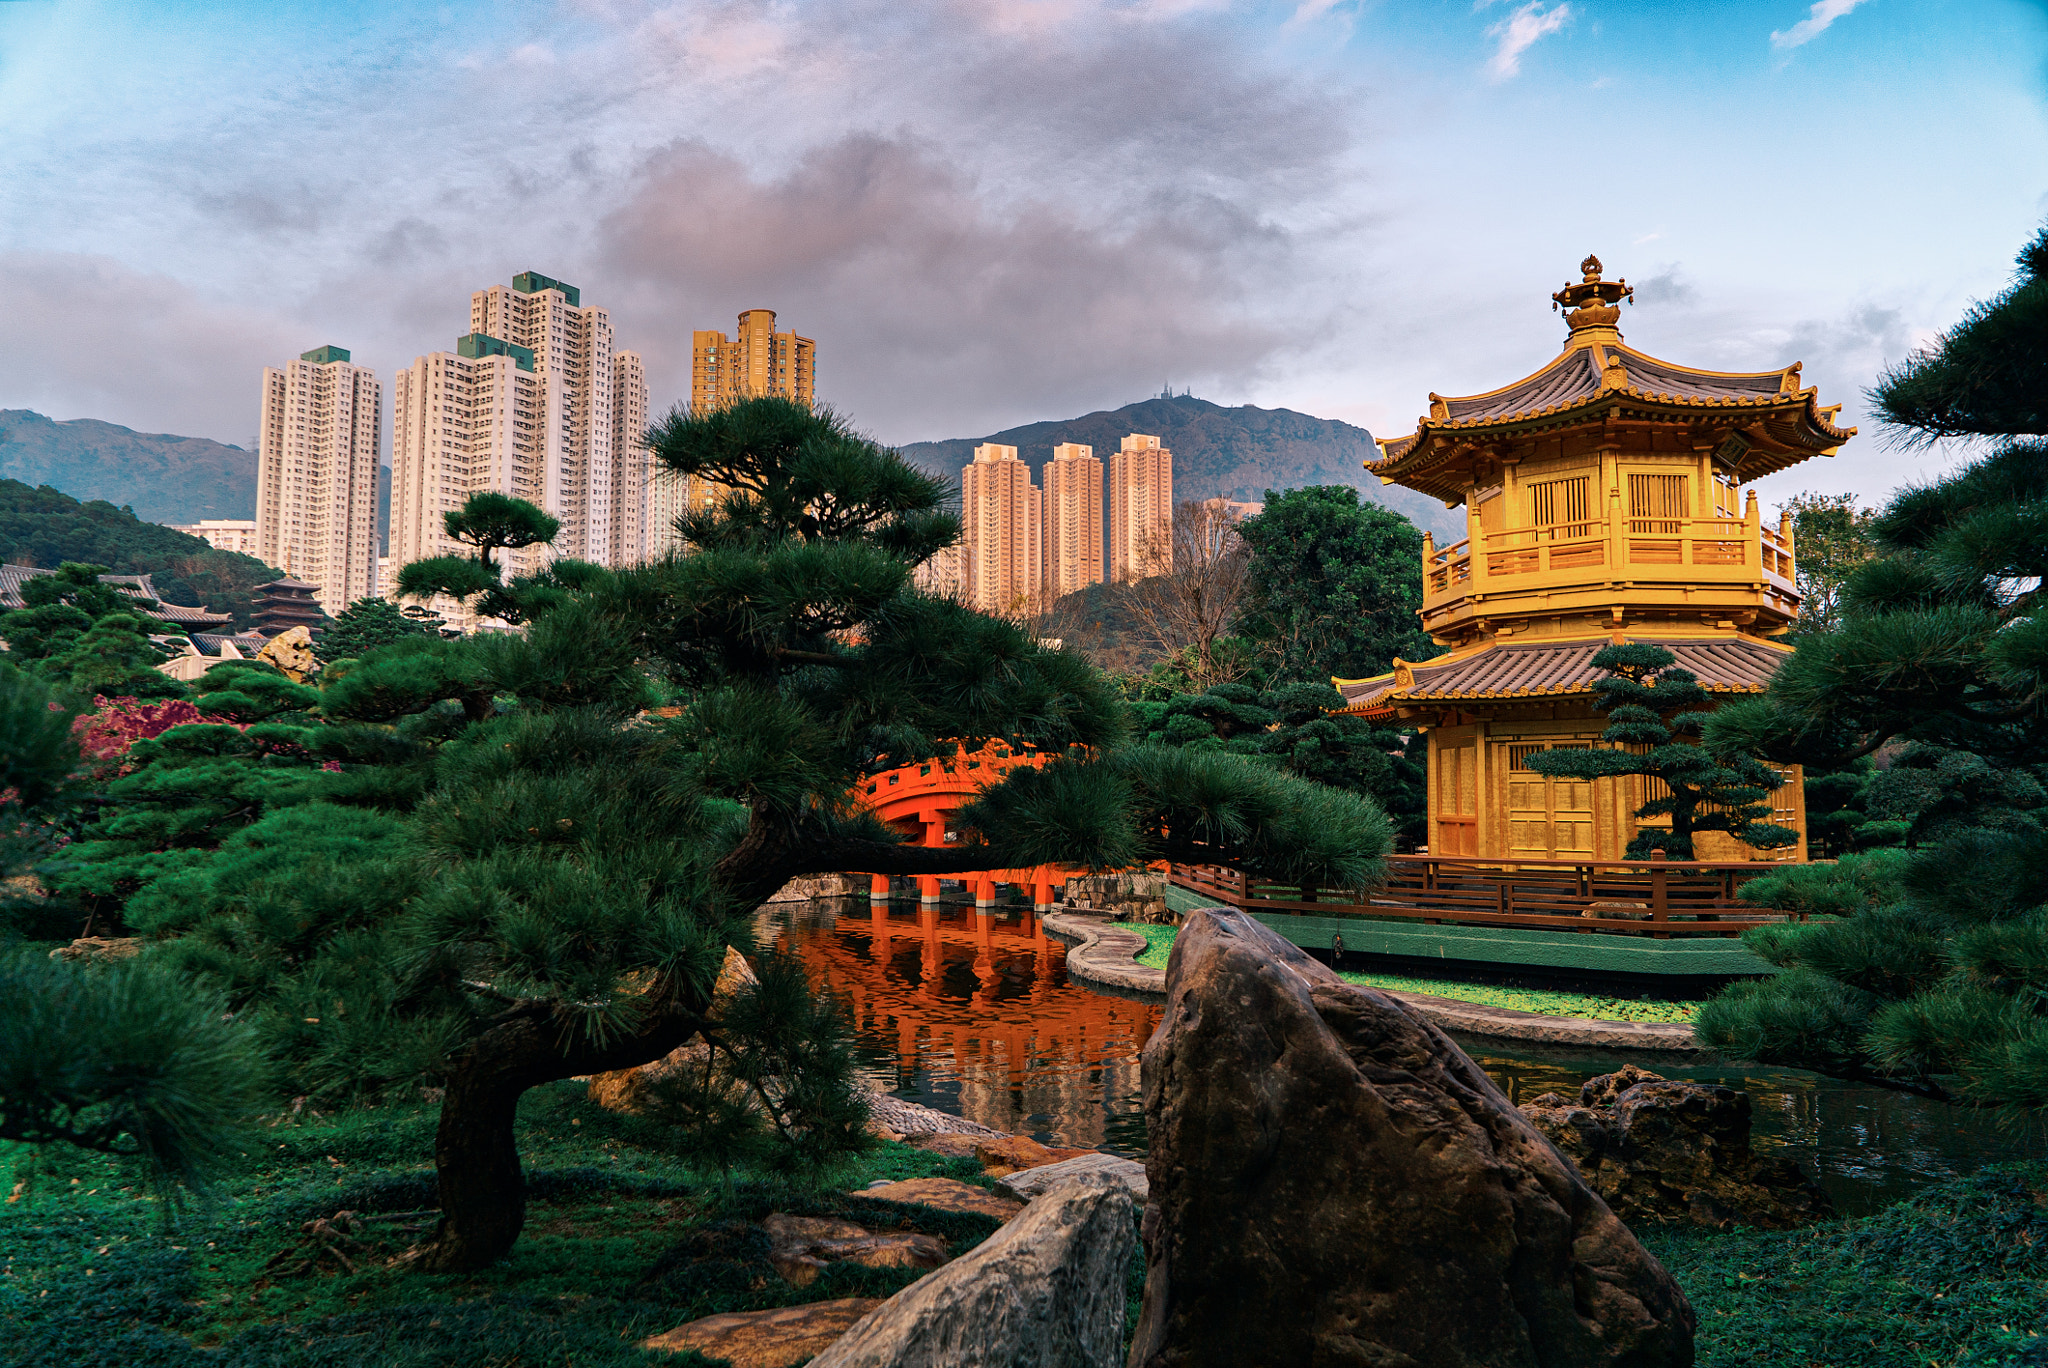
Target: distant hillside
1232, 453
44, 527
162, 477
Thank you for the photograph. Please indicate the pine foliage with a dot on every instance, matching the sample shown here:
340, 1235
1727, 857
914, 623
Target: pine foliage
1651, 704
1942, 645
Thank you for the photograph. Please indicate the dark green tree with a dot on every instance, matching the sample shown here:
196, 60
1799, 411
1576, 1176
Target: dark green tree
39, 765
1651, 704
491, 523
1299, 727
1334, 585
1942, 983
369, 623
1832, 536
558, 872
121, 1058
88, 638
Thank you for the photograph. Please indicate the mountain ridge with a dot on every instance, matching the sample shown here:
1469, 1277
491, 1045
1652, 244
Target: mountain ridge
163, 477
1218, 452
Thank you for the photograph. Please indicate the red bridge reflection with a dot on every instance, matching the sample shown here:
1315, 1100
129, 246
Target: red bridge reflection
970, 1011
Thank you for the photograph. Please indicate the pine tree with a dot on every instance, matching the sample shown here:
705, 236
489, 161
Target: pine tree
88, 638
1651, 704
369, 623
546, 875
1941, 982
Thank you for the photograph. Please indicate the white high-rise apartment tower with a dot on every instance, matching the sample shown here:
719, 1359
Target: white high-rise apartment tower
482, 417
573, 343
316, 474
1002, 543
1140, 509
645, 500
1073, 519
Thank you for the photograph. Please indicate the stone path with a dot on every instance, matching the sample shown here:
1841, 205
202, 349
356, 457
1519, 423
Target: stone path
1104, 956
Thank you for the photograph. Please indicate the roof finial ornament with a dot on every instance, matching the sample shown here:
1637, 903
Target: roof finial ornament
1593, 302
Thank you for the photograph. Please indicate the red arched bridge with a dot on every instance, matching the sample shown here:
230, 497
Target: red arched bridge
919, 800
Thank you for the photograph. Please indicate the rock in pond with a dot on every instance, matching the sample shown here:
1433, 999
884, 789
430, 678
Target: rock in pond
1046, 1290
1334, 1182
803, 1245
1031, 1183
777, 1338
1661, 1149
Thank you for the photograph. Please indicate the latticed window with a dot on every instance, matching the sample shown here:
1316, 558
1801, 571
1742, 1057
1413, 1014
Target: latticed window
1658, 503
1561, 505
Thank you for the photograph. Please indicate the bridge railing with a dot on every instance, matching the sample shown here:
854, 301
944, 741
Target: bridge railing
1652, 897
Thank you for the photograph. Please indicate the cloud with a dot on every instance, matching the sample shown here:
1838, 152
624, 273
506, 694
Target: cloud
928, 298
1823, 13
88, 337
1519, 32
1666, 287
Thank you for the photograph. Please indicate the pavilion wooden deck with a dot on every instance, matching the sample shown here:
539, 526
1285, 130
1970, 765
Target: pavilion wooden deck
1651, 897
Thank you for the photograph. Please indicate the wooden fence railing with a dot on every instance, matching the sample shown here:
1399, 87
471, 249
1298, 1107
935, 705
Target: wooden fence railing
1623, 897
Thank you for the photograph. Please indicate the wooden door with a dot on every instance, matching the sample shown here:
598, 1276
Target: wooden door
1457, 799
1548, 819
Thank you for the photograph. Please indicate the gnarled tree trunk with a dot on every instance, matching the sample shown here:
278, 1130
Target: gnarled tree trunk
483, 1189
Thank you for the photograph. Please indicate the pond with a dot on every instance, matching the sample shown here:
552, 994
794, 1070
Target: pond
974, 1016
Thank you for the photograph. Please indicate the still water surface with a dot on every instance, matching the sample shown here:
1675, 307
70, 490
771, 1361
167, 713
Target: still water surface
975, 1016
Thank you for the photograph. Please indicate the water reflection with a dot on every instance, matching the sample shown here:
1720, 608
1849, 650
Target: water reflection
974, 1016
1867, 1146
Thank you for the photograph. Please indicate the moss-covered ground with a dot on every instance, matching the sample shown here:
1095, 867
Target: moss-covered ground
1547, 1001
625, 1239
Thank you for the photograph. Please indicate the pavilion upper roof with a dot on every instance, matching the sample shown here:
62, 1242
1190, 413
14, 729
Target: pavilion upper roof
1598, 377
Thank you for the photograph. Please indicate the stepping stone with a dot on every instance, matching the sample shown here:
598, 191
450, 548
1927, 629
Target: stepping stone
1015, 1152
1033, 1182
946, 1194
951, 1144
778, 1338
803, 1245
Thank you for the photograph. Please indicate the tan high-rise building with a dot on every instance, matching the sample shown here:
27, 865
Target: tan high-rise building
755, 360
1073, 519
573, 342
1140, 509
482, 417
1002, 545
316, 474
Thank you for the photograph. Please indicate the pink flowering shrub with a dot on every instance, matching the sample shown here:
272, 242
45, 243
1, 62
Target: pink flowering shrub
105, 734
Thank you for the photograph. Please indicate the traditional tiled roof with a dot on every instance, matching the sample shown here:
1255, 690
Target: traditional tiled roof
1551, 669
209, 643
13, 576
1592, 376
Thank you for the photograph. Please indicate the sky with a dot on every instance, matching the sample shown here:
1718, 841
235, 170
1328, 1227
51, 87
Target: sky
990, 212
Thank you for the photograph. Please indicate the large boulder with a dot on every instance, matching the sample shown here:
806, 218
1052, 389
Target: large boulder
1333, 1182
1660, 1149
1046, 1290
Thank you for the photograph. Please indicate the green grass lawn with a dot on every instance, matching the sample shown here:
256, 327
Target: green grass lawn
623, 1240
1547, 1001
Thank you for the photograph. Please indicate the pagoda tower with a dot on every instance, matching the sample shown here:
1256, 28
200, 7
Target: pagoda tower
1604, 502
286, 603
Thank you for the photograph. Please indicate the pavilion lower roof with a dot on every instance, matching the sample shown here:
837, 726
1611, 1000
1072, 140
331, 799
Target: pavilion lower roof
1557, 669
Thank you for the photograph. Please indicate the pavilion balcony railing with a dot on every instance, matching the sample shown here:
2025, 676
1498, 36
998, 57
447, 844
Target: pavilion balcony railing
1657, 898
1707, 551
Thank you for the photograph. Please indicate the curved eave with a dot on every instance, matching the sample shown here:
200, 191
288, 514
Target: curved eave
1800, 430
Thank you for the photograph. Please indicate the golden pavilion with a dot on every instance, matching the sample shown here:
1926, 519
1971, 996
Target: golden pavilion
1604, 502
